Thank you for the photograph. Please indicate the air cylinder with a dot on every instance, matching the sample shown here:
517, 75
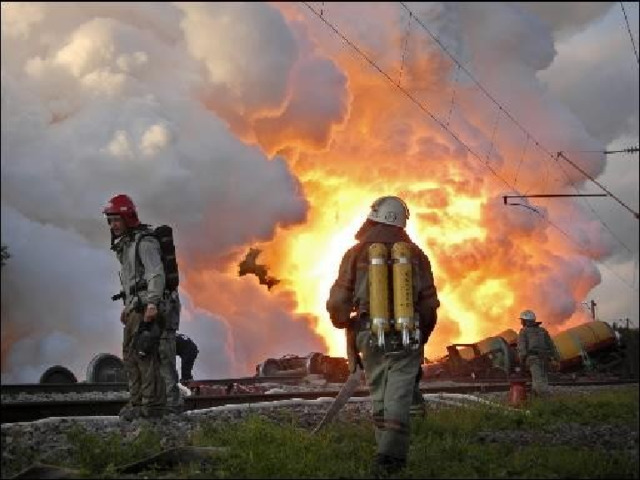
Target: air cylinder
403, 290
378, 291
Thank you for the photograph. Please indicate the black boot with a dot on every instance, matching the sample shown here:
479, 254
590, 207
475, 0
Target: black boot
385, 466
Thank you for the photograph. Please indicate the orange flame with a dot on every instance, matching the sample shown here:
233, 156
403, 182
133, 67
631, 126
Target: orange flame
484, 273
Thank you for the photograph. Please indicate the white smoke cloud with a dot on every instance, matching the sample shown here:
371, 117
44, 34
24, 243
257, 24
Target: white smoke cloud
99, 99
192, 109
567, 18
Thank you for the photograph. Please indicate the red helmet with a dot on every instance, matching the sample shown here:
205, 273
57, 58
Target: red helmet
124, 207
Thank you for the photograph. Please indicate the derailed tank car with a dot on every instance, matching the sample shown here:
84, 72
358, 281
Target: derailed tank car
598, 347
334, 369
593, 347
493, 357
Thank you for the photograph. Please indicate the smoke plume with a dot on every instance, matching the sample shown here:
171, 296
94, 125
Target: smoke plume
255, 126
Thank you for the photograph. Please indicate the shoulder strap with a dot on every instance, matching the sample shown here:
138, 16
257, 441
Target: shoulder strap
137, 260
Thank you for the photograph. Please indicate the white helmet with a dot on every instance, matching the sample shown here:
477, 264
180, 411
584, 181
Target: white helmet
389, 210
528, 316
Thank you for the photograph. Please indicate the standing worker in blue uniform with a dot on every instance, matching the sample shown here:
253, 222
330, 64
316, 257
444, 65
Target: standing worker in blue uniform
388, 330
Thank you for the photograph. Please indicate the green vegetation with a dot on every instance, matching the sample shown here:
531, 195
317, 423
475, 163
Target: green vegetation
448, 443
93, 454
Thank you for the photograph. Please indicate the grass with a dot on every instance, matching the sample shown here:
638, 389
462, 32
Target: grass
443, 445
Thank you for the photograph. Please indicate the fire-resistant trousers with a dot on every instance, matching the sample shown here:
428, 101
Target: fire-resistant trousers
537, 365
168, 370
146, 386
391, 379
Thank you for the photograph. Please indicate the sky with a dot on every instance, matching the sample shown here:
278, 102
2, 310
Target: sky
261, 126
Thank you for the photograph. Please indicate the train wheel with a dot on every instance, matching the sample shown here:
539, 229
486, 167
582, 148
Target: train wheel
58, 374
106, 368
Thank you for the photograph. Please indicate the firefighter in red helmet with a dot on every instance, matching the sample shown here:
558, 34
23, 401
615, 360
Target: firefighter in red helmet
142, 277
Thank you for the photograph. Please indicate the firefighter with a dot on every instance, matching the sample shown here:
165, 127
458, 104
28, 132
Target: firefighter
391, 375
535, 350
187, 350
142, 324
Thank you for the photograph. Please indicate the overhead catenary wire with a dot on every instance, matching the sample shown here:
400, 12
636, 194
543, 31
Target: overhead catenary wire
636, 214
633, 43
528, 136
396, 84
506, 112
609, 229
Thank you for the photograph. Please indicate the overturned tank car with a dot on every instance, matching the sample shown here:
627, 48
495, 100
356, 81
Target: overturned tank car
591, 348
333, 369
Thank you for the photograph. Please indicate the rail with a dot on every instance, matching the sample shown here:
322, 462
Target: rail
18, 411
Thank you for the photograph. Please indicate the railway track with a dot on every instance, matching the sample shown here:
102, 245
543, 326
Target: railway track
82, 387
20, 411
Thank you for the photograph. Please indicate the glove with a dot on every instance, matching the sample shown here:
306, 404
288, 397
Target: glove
147, 339
150, 313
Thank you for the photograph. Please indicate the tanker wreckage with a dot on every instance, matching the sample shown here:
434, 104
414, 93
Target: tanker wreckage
589, 349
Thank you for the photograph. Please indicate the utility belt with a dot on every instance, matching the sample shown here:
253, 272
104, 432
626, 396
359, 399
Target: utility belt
139, 286
361, 322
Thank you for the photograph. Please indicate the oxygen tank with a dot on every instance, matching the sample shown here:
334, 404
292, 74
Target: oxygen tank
403, 291
378, 291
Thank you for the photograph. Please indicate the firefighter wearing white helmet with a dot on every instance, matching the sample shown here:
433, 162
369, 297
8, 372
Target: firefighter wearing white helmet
388, 322
389, 210
536, 350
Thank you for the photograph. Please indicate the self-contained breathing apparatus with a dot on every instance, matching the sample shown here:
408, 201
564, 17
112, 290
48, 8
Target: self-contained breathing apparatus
147, 337
394, 323
164, 235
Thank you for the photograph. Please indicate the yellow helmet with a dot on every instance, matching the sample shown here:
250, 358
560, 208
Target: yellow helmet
390, 210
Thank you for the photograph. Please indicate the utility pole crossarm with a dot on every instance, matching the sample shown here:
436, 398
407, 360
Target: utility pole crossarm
563, 156
552, 195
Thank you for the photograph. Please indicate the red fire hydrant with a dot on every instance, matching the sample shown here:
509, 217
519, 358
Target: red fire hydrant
517, 392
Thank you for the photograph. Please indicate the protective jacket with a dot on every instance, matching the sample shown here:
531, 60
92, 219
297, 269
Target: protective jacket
534, 340
350, 291
145, 268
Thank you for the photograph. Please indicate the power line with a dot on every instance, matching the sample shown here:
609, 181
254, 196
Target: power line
426, 110
609, 229
552, 195
503, 109
629, 30
562, 155
528, 135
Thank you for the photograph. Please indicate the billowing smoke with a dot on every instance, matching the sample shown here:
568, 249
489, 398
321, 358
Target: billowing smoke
100, 99
254, 125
